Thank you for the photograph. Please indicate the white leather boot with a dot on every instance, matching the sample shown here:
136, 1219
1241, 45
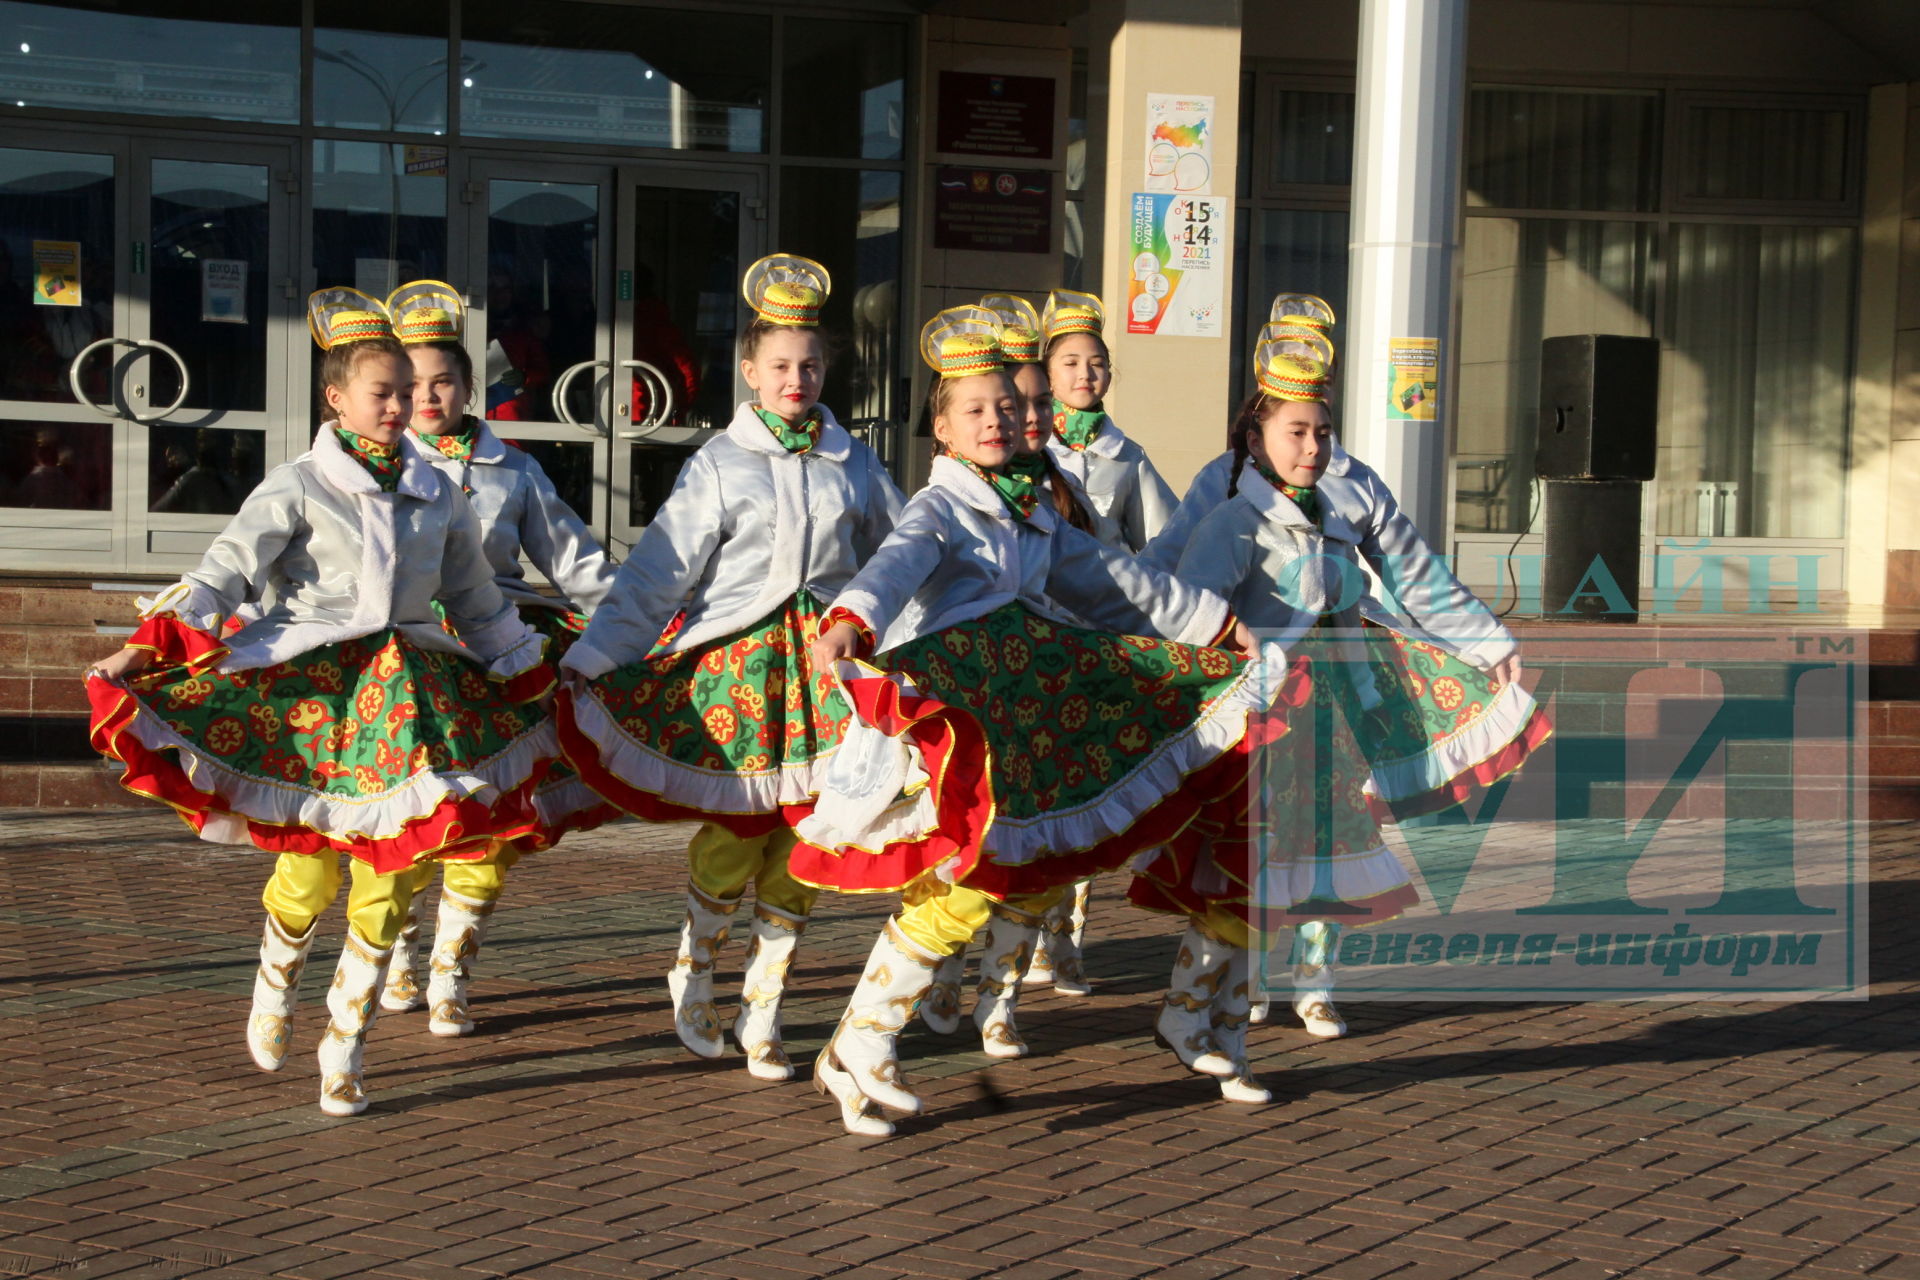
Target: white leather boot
457, 935
276, 989
941, 1009
1185, 1024
769, 958
351, 1000
1010, 940
402, 993
862, 1056
1229, 1019
1067, 924
1315, 945
859, 1114
690, 982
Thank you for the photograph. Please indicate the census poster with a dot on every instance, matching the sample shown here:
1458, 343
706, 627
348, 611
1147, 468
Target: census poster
1176, 283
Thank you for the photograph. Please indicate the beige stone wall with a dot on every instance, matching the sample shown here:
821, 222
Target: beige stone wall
1884, 517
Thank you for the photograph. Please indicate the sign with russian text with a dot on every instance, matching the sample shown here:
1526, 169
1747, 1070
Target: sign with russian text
994, 115
993, 210
1176, 278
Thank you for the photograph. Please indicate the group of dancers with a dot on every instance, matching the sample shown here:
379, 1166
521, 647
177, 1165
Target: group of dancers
1037, 670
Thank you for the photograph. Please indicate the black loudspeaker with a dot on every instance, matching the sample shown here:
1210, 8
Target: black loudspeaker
1599, 401
1593, 551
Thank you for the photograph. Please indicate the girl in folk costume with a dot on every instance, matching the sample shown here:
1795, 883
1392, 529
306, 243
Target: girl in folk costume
520, 514
1407, 712
1130, 500
346, 718
1049, 751
1057, 953
726, 720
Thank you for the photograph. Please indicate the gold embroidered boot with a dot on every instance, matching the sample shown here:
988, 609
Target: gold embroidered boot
402, 993
1185, 1024
457, 935
862, 1053
1229, 1020
1068, 924
276, 989
690, 982
351, 1000
1010, 940
1315, 944
941, 1009
769, 959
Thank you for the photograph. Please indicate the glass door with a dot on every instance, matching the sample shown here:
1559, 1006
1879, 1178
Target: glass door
63, 214
220, 339
684, 240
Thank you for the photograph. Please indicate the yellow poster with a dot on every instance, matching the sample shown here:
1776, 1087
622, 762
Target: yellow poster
1413, 379
56, 273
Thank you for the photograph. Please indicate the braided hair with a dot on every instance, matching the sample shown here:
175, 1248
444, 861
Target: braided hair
1240, 435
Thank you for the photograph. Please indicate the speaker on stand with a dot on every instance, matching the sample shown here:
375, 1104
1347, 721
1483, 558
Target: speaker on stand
1599, 405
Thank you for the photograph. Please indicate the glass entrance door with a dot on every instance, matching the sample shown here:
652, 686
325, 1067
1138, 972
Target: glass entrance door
605, 316
151, 284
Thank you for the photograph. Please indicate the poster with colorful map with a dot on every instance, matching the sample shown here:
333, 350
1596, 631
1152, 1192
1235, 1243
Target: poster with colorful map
1180, 142
1177, 276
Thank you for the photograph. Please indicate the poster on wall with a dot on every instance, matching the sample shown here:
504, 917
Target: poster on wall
223, 290
1180, 142
56, 273
994, 210
1176, 281
1413, 379
979, 114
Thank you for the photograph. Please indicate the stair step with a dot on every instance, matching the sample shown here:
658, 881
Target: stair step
65, 786
58, 648
72, 603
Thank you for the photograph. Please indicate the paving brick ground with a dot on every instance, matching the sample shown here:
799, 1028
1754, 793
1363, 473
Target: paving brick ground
572, 1137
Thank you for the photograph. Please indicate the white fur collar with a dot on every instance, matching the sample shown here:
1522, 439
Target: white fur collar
950, 475
343, 471
747, 431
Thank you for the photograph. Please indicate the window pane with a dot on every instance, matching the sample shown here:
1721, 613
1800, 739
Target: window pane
1523, 280
850, 221
56, 197
202, 471
1540, 149
63, 466
1766, 153
844, 83
621, 76
1754, 382
543, 297
210, 224
154, 57
1297, 251
568, 465
378, 65
1077, 126
1312, 138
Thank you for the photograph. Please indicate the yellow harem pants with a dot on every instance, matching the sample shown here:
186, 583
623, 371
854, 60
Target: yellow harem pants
942, 918
304, 885
721, 865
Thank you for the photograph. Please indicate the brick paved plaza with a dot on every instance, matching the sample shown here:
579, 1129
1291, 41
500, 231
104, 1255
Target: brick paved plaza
574, 1137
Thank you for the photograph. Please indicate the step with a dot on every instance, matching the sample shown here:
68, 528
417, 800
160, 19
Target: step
65, 786
61, 650
73, 602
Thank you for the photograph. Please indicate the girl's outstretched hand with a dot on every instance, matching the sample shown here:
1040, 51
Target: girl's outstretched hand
122, 664
1243, 639
841, 640
1508, 671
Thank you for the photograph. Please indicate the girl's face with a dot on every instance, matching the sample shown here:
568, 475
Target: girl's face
1078, 371
1034, 401
377, 401
981, 421
440, 394
786, 371
1294, 441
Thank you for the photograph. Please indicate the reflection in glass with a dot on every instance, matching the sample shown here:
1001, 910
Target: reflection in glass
56, 196
375, 224
1767, 153
542, 303
1312, 138
686, 309
380, 65
850, 220
844, 88
202, 471
628, 77
1524, 279
652, 470
569, 466
209, 303
1549, 149
154, 57
1754, 383
64, 466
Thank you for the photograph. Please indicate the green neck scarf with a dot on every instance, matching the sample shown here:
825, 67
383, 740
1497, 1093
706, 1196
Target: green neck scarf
382, 461
1077, 427
457, 445
1305, 497
793, 440
1015, 486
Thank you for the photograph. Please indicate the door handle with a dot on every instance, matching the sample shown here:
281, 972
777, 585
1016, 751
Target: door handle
136, 344
660, 404
564, 384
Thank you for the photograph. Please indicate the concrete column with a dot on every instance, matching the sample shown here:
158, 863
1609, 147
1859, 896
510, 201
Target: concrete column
1410, 103
1170, 394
